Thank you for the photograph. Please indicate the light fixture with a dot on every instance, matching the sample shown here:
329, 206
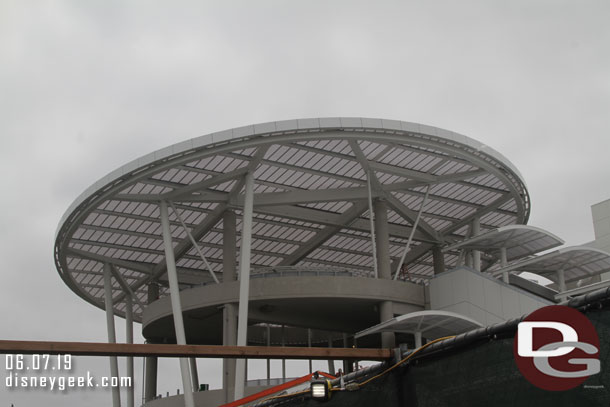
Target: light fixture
320, 389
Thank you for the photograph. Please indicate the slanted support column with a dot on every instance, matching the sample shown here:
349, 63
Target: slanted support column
229, 262
244, 283
382, 240
439, 260
114, 365
476, 255
174, 291
129, 339
504, 263
150, 379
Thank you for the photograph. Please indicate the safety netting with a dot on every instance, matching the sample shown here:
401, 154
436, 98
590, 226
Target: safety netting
477, 369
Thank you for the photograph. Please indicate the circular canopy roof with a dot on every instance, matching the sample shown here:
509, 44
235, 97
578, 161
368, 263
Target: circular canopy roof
577, 262
311, 202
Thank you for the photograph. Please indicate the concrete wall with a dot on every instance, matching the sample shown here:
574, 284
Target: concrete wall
343, 304
480, 296
601, 226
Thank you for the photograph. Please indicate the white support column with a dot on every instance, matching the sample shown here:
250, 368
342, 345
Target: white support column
174, 291
114, 365
383, 260
229, 256
504, 263
283, 359
309, 346
229, 338
331, 363
561, 280
469, 259
382, 239
244, 282
418, 341
150, 376
346, 362
129, 339
438, 258
476, 255
268, 360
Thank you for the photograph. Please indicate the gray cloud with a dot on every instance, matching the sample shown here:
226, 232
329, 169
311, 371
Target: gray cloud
88, 86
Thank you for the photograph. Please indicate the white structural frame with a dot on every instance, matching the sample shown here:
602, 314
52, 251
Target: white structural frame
189, 400
421, 317
565, 260
311, 181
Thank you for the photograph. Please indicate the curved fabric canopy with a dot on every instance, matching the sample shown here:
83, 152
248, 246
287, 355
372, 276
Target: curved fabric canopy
518, 240
311, 190
430, 324
577, 262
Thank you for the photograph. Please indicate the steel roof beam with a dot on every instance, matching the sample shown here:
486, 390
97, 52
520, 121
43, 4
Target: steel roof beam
206, 225
124, 285
478, 214
141, 267
394, 203
323, 235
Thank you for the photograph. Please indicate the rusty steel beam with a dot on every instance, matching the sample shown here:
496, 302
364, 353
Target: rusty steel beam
197, 351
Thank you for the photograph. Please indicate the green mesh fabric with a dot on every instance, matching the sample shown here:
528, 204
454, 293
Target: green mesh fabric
483, 374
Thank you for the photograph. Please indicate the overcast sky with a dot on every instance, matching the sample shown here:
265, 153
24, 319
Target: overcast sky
86, 86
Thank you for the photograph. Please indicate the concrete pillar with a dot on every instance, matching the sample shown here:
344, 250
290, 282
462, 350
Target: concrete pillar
229, 246
438, 259
562, 283
469, 259
283, 359
229, 262
114, 365
382, 239
309, 346
268, 332
346, 362
418, 341
174, 291
129, 339
476, 255
244, 282
229, 337
150, 362
503, 263
386, 311
194, 375
331, 363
